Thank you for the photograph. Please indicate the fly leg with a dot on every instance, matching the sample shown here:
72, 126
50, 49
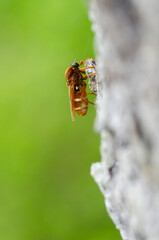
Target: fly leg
82, 94
86, 100
89, 101
89, 75
86, 61
86, 68
82, 71
91, 93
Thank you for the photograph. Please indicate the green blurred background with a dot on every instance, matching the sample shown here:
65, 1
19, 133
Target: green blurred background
46, 192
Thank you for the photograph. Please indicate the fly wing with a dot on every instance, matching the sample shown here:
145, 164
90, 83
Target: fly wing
72, 102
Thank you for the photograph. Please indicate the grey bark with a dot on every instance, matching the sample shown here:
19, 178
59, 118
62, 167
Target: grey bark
127, 43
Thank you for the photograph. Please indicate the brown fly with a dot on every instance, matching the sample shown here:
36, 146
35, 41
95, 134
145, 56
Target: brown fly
77, 88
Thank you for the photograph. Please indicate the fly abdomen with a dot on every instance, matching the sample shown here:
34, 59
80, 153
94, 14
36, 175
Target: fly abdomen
81, 105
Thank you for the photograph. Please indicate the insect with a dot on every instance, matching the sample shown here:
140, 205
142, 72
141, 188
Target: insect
77, 88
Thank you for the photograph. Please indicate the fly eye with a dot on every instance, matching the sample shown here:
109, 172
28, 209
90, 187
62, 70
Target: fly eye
75, 64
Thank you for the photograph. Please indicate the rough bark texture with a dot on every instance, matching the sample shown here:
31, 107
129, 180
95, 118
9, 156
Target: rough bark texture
127, 42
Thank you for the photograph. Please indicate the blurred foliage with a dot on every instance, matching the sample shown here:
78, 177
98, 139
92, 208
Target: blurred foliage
46, 192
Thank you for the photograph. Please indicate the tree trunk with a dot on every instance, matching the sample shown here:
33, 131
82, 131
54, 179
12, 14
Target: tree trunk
127, 42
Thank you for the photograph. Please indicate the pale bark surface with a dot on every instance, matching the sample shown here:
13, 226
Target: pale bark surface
127, 43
